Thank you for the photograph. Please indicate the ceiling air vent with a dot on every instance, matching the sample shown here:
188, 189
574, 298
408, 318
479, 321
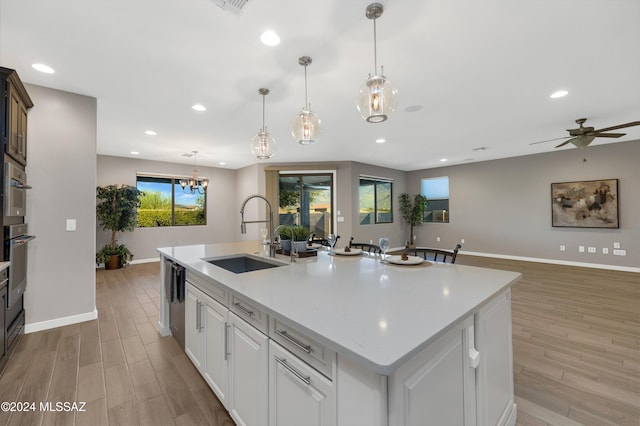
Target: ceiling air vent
233, 6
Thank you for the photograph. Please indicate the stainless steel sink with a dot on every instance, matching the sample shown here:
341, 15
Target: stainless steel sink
242, 263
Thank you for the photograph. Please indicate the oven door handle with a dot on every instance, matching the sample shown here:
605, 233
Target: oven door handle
18, 185
22, 240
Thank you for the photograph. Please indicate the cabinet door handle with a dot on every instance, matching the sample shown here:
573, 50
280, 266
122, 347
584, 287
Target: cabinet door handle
474, 355
227, 354
243, 309
300, 345
197, 315
283, 362
202, 305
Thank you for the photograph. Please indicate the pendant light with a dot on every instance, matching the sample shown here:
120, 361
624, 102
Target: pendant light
377, 95
263, 145
306, 126
194, 183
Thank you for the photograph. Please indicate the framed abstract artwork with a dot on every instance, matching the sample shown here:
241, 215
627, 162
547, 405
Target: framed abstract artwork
585, 204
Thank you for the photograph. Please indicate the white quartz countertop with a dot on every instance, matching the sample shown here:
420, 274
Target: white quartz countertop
377, 314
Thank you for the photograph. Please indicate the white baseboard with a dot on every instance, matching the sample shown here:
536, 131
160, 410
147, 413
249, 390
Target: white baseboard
60, 322
133, 262
554, 261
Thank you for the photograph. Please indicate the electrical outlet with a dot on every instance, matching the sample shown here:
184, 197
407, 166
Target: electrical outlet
616, 245
462, 241
592, 249
618, 252
438, 239
581, 249
71, 225
562, 247
605, 250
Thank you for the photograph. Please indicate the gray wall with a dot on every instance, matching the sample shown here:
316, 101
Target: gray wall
222, 215
62, 171
503, 207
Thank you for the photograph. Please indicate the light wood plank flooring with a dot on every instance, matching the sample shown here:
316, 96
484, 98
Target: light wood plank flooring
576, 354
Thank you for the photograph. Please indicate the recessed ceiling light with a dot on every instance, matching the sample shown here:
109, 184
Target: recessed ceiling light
43, 68
150, 133
222, 163
559, 94
443, 160
270, 38
381, 140
135, 153
199, 107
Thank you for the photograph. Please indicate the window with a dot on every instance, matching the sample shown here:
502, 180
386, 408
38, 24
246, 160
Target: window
375, 201
437, 192
306, 200
164, 203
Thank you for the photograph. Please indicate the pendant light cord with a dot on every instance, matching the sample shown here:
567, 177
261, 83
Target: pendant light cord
306, 101
263, 103
375, 48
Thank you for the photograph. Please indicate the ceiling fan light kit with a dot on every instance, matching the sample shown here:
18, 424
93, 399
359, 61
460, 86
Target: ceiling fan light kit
583, 136
377, 99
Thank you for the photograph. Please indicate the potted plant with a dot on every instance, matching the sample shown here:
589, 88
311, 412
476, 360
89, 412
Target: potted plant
412, 211
116, 212
300, 235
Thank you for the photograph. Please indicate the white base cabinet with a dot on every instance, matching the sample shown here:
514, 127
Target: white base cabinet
298, 394
248, 373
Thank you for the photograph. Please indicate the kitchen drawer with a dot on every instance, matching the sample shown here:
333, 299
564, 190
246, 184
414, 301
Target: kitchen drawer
309, 350
209, 287
250, 313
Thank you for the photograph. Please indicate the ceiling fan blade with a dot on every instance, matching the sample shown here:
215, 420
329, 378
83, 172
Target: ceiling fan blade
565, 142
550, 140
619, 126
608, 135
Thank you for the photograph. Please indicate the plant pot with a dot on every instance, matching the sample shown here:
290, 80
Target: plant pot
285, 245
299, 246
113, 263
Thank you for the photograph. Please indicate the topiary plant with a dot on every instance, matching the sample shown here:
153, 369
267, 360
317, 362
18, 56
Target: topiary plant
412, 211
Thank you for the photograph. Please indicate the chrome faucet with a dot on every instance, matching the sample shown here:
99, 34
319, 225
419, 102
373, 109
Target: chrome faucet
243, 223
277, 232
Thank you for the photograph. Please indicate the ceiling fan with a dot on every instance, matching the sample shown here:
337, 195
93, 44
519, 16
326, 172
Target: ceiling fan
583, 136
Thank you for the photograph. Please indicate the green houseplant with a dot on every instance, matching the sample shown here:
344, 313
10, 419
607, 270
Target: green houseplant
412, 211
300, 234
116, 211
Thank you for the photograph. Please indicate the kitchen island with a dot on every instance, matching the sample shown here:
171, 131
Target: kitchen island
348, 340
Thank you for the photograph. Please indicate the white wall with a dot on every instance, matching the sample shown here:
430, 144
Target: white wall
221, 214
61, 168
503, 207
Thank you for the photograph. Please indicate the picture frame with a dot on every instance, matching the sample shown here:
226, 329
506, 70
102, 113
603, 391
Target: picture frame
585, 204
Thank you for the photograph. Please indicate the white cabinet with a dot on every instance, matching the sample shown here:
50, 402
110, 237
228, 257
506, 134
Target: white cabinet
496, 405
298, 394
216, 367
248, 373
194, 338
437, 386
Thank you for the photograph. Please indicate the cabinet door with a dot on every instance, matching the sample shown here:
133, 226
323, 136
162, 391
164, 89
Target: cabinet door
193, 337
298, 394
13, 144
249, 373
495, 373
437, 386
216, 365
22, 134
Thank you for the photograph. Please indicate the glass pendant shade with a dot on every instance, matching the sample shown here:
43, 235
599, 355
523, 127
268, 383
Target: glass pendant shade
306, 127
263, 145
377, 99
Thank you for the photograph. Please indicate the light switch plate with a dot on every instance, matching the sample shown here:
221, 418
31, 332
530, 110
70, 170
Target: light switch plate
71, 224
581, 249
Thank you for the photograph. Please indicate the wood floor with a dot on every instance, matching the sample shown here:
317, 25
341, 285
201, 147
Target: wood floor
576, 355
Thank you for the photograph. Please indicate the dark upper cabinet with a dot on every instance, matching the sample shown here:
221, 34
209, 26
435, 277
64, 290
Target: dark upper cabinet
14, 105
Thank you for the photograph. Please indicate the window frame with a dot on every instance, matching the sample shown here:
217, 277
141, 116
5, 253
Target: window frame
446, 215
376, 182
174, 181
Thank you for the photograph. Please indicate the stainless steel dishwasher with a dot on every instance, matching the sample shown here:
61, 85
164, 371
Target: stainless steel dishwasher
174, 284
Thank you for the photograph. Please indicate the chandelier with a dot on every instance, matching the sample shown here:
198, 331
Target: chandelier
263, 145
195, 184
306, 126
377, 95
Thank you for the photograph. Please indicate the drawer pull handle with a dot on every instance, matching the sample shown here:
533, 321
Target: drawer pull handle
226, 341
243, 309
283, 333
305, 379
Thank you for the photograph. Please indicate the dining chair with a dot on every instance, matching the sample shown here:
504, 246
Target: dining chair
369, 248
